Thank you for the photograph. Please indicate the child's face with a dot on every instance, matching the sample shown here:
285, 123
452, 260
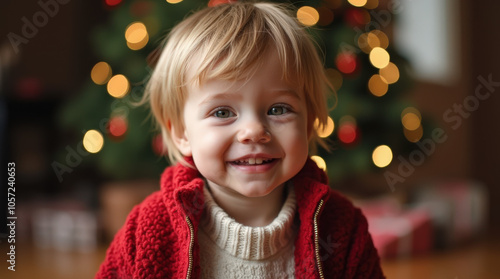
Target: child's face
247, 136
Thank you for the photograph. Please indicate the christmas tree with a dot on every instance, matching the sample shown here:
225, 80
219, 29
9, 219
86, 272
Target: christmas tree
372, 121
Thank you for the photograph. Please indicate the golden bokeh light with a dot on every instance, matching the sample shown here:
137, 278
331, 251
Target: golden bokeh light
118, 86
415, 135
382, 156
174, 1
372, 40
136, 35
93, 141
101, 73
383, 40
390, 73
379, 57
307, 15
410, 121
325, 16
357, 3
319, 161
371, 4
327, 130
335, 78
377, 86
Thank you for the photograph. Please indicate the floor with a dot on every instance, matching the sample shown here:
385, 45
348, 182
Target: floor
478, 260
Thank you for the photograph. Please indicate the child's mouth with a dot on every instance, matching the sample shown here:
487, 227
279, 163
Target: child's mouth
253, 161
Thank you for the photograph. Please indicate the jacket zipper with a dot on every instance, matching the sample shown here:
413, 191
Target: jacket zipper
191, 244
316, 240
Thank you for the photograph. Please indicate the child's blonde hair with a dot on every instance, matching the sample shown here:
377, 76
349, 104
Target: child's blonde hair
228, 42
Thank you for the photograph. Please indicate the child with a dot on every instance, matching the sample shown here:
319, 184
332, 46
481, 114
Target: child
236, 92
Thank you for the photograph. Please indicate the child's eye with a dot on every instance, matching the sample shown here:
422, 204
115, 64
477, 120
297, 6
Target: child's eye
277, 110
223, 113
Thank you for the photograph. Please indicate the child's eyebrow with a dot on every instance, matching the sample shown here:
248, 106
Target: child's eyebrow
220, 96
231, 96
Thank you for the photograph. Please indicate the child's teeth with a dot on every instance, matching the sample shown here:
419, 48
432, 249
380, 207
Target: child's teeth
251, 161
258, 161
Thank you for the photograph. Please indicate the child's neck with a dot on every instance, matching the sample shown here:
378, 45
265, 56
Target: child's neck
252, 212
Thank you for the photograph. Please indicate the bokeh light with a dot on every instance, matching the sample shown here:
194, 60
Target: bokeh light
357, 3
377, 86
411, 118
307, 15
112, 3
415, 135
101, 73
379, 57
118, 126
327, 130
382, 156
174, 1
383, 40
411, 121
319, 161
325, 16
136, 35
371, 4
118, 86
346, 62
93, 141
390, 73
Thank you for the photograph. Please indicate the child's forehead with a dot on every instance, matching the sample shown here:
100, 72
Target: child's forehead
201, 70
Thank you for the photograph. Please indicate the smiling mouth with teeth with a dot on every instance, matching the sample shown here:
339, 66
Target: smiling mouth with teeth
253, 161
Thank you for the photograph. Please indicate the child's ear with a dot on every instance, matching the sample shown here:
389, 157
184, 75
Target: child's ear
181, 140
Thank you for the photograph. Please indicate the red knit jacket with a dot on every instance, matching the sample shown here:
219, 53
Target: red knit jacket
159, 239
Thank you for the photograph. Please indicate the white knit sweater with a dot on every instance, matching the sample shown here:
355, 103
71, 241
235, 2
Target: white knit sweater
229, 249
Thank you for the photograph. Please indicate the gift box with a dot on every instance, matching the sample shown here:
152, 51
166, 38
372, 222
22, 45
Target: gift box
458, 210
401, 234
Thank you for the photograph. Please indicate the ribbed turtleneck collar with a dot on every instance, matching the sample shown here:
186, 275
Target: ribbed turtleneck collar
250, 243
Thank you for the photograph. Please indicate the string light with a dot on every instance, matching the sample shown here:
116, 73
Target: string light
415, 135
307, 15
357, 3
118, 86
411, 118
377, 86
346, 62
136, 35
117, 126
325, 16
390, 74
327, 129
382, 156
93, 141
379, 57
383, 40
319, 161
348, 131
371, 4
101, 73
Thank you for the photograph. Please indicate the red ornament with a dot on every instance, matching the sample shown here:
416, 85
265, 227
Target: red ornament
157, 144
213, 3
117, 127
346, 62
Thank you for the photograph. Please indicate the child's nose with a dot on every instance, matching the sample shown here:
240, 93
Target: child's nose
254, 132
